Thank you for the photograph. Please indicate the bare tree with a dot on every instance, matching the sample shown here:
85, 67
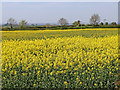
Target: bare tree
63, 21
22, 23
11, 22
95, 19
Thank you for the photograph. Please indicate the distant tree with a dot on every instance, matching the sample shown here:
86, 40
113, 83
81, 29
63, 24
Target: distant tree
54, 25
101, 23
22, 23
76, 23
95, 19
11, 22
32, 25
88, 25
48, 25
113, 23
62, 21
106, 23
97, 24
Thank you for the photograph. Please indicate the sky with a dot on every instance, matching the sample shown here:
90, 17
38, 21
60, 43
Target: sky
51, 12
59, 0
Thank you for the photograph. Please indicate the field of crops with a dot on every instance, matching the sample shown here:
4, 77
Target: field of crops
62, 59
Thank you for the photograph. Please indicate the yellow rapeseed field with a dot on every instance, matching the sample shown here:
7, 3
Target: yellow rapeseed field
62, 62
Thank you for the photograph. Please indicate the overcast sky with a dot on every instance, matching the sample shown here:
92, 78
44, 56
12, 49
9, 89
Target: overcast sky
51, 12
60, 0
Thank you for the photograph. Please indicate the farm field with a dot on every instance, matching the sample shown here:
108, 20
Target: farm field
60, 58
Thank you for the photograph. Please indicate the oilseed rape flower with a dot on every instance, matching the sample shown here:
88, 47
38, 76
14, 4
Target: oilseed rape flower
65, 82
35, 59
77, 79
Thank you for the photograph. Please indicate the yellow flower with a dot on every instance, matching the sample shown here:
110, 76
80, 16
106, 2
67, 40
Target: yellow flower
56, 79
77, 79
3, 77
41, 56
75, 73
80, 82
15, 72
87, 78
24, 74
34, 84
65, 82
83, 73
110, 72
95, 84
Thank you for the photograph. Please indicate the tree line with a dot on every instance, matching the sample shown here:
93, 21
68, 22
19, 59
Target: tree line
63, 24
